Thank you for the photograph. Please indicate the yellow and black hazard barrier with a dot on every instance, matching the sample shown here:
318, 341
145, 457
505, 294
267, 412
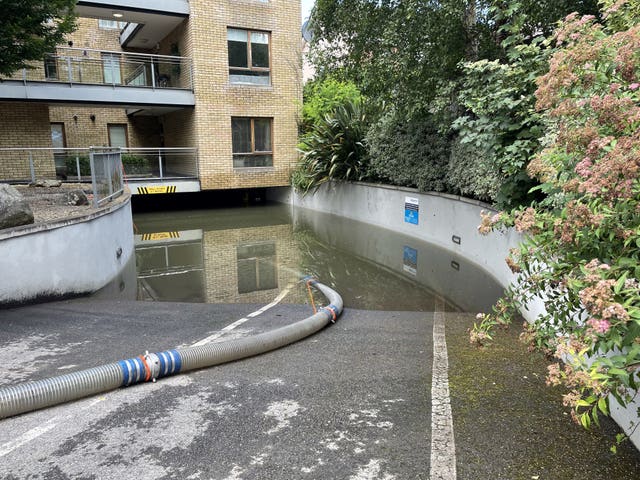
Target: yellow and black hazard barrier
157, 189
146, 237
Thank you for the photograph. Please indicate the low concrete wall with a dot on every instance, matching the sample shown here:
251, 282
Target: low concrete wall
448, 221
73, 256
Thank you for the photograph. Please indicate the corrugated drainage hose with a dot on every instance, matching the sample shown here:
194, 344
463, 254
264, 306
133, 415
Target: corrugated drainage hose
31, 396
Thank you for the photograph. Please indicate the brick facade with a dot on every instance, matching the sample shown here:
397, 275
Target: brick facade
203, 38
25, 124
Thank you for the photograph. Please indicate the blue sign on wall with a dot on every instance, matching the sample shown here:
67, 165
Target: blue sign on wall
410, 260
411, 210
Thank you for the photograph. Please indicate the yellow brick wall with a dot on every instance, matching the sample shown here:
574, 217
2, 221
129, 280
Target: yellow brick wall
80, 130
203, 38
25, 124
217, 101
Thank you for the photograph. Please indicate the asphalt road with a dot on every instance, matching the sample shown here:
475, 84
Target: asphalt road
340, 404
351, 402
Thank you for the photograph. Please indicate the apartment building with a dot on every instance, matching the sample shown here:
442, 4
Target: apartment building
200, 94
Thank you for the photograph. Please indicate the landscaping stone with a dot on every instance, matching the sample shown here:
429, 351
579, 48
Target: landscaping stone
76, 197
47, 183
14, 209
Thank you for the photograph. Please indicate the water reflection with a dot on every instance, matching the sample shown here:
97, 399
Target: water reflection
170, 266
250, 255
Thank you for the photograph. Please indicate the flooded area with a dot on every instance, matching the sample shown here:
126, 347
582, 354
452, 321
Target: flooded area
251, 255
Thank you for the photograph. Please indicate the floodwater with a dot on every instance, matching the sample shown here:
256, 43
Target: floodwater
252, 255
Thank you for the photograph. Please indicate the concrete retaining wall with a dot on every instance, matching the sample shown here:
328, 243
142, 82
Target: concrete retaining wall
446, 220
74, 256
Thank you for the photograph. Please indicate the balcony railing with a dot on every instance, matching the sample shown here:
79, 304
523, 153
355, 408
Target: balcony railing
24, 165
160, 163
100, 166
102, 67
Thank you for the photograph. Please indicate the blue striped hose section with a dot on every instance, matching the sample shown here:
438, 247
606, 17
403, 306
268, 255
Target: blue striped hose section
31, 396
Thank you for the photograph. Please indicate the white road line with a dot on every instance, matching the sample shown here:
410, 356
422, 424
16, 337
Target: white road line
443, 446
237, 323
27, 437
52, 423
40, 430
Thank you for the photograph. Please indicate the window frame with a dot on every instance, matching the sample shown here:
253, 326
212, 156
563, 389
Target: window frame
250, 68
126, 133
112, 66
106, 24
63, 134
253, 152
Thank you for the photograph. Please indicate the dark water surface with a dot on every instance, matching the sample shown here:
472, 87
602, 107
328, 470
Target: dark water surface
251, 255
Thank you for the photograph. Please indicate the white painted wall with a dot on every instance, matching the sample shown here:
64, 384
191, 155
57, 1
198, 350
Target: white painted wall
72, 256
441, 216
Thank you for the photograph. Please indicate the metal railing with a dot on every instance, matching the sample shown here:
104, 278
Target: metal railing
28, 165
106, 174
160, 163
102, 166
103, 67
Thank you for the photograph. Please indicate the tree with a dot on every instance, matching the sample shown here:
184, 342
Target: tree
31, 28
397, 51
322, 97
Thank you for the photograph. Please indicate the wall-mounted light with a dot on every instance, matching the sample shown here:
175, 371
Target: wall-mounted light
92, 117
117, 14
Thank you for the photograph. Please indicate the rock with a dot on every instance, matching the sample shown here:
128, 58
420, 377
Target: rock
46, 183
14, 209
76, 197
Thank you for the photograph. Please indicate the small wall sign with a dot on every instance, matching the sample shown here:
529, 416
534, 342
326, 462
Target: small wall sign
411, 210
410, 260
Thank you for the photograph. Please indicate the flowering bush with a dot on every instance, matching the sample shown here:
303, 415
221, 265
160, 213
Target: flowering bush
581, 252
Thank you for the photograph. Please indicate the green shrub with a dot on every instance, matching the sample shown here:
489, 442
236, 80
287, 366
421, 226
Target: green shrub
135, 164
581, 247
322, 97
334, 149
409, 151
471, 172
72, 169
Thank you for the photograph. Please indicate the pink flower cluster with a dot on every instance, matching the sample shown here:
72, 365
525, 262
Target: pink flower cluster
599, 326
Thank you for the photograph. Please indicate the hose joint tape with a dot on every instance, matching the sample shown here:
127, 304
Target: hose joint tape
310, 280
169, 363
331, 310
132, 371
149, 367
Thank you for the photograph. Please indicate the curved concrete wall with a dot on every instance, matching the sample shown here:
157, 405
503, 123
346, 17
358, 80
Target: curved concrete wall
448, 221
78, 255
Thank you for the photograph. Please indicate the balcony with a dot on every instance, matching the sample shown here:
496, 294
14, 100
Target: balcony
148, 22
146, 170
73, 75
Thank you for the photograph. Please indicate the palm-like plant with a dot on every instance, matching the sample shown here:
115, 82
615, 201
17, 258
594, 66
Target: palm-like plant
334, 149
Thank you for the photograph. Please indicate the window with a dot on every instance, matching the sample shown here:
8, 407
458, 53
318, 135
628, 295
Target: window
110, 24
248, 56
59, 142
257, 267
58, 139
251, 139
51, 67
117, 135
111, 68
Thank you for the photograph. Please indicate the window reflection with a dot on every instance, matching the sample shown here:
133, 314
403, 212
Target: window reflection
257, 267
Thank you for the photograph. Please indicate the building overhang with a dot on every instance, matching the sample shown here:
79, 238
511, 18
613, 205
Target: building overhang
105, 8
108, 95
146, 25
